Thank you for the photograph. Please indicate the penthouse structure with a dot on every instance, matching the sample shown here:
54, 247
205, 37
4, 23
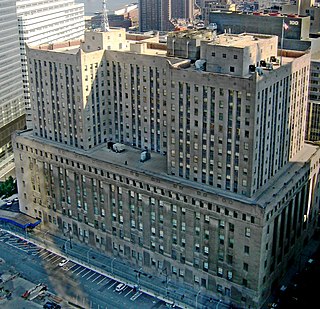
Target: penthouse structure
230, 194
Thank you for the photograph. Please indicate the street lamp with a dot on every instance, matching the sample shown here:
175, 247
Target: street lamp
197, 298
112, 264
69, 231
166, 274
218, 303
70, 236
138, 277
65, 246
88, 257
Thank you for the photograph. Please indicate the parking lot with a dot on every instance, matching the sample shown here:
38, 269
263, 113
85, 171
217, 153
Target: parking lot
95, 288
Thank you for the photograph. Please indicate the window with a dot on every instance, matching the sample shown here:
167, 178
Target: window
224, 55
220, 272
183, 226
231, 69
206, 250
231, 227
246, 249
247, 231
245, 266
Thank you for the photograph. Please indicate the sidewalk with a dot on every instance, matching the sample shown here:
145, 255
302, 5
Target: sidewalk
297, 267
162, 288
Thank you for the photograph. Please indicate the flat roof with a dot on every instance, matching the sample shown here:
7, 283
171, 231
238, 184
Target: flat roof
239, 40
157, 167
18, 219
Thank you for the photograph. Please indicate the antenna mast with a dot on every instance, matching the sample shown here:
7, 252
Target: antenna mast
105, 21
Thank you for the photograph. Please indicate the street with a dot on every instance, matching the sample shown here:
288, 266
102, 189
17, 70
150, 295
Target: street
77, 284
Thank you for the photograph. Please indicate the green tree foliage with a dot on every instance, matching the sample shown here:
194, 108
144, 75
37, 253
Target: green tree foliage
8, 187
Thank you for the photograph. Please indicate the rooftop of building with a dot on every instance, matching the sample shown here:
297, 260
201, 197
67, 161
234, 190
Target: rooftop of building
240, 40
150, 45
262, 14
156, 167
203, 34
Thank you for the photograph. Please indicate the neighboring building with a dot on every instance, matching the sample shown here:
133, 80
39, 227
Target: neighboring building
94, 22
230, 194
313, 112
155, 15
182, 9
43, 22
296, 37
12, 116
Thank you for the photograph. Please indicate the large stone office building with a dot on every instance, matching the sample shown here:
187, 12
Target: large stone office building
231, 193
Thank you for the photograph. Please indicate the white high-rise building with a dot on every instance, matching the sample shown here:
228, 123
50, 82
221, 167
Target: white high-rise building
46, 21
11, 101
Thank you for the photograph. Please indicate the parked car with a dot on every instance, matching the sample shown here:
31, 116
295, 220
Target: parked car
63, 262
120, 287
9, 203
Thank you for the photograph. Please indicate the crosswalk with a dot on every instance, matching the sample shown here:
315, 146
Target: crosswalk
72, 268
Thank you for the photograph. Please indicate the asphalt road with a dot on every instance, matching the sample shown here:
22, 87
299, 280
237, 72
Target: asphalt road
73, 282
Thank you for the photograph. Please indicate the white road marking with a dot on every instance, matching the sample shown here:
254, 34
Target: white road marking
91, 275
43, 253
128, 293
96, 278
58, 258
54, 256
112, 285
86, 273
17, 248
81, 271
104, 278
135, 296
79, 266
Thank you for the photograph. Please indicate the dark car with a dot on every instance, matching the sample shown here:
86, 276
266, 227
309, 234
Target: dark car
51, 305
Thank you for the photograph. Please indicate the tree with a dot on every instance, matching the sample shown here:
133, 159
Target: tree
8, 187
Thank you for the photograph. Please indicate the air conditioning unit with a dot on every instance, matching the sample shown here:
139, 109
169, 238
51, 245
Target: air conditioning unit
262, 63
252, 68
273, 59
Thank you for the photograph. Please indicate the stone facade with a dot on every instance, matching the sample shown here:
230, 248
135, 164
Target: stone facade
233, 232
